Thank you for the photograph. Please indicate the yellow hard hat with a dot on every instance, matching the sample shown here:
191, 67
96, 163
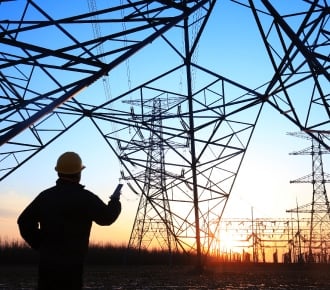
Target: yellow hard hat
69, 163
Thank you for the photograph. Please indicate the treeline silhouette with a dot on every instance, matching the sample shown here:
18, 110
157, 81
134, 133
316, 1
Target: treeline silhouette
18, 252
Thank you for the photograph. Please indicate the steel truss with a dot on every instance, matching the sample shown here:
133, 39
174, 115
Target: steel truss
318, 209
49, 84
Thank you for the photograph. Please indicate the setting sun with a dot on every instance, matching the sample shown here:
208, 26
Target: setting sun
228, 241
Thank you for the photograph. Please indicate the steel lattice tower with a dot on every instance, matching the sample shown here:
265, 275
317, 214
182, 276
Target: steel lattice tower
153, 224
50, 84
318, 208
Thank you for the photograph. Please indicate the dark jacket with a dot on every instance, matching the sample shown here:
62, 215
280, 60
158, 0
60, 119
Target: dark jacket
58, 221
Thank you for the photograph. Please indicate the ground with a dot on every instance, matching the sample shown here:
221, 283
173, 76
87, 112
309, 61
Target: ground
224, 276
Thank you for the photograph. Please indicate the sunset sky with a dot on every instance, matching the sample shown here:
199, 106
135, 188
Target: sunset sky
264, 179
263, 182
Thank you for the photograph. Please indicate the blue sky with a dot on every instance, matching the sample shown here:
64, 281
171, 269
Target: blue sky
230, 46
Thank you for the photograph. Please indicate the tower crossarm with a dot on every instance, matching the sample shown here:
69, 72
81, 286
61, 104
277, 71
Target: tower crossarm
304, 179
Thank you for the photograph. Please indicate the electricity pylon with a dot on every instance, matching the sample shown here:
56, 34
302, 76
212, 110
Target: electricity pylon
318, 209
48, 85
153, 225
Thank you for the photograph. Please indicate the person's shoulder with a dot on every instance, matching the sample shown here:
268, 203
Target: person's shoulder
47, 191
44, 194
88, 192
90, 195
42, 191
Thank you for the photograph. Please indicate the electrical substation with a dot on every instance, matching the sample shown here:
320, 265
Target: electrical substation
145, 74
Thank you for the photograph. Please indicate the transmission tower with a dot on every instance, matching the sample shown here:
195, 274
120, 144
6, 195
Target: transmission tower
153, 225
48, 85
318, 208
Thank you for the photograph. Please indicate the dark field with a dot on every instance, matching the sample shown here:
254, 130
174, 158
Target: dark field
224, 276
104, 270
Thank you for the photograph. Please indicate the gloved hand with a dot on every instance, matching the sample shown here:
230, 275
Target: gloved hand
116, 194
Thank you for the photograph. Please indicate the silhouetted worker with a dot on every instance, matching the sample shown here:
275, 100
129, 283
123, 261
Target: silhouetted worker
58, 221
